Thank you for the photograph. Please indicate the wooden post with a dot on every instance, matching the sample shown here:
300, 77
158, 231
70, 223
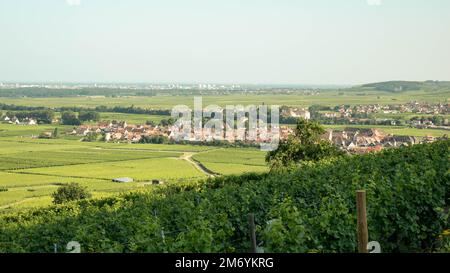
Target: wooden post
363, 234
251, 223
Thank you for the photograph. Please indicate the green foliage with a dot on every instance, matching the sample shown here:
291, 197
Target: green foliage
89, 116
396, 86
309, 209
92, 137
402, 86
154, 139
150, 123
70, 192
233, 160
286, 231
443, 243
55, 133
167, 122
70, 118
42, 116
314, 110
304, 146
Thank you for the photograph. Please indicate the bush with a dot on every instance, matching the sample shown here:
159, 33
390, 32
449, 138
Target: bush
70, 192
92, 137
304, 146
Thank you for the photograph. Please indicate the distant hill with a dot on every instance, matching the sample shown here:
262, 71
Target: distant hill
400, 86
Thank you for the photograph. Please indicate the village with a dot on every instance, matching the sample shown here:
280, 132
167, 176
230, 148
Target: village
348, 138
352, 140
411, 107
121, 131
424, 115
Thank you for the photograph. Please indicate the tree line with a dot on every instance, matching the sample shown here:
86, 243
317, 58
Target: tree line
74, 118
116, 109
41, 116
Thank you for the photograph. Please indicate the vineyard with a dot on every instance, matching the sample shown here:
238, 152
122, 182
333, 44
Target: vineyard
233, 161
311, 209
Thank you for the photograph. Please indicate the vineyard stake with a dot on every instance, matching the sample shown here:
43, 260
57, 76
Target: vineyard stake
363, 234
251, 222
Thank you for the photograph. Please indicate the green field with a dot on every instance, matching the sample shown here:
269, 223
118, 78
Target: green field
396, 130
233, 161
143, 170
404, 116
132, 118
325, 97
31, 169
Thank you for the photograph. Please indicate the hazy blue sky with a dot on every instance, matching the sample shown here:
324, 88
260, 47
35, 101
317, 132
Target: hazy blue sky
246, 41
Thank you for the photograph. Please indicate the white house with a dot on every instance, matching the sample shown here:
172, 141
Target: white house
107, 137
305, 114
30, 122
82, 130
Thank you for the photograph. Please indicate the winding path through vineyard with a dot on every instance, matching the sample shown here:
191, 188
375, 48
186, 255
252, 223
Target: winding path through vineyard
198, 165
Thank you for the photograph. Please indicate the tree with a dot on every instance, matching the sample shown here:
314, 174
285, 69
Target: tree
150, 123
91, 137
314, 111
41, 116
70, 192
55, 133
167, 122
154, 139
437, 120
89, 116
70, 118
305, 145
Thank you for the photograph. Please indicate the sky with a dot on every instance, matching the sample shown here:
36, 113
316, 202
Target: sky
224, 41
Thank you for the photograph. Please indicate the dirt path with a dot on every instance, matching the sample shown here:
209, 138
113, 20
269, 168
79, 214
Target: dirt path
17, 203
199, 166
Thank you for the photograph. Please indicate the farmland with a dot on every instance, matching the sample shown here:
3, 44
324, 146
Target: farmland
233, 161
324, 97
310, 209
31, 169
395, 130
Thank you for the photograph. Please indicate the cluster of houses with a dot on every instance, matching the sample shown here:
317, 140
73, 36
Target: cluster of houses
120, 131
117, 131
425, 108
24, 121
353, 140
356, 140
361, 114
411, 107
